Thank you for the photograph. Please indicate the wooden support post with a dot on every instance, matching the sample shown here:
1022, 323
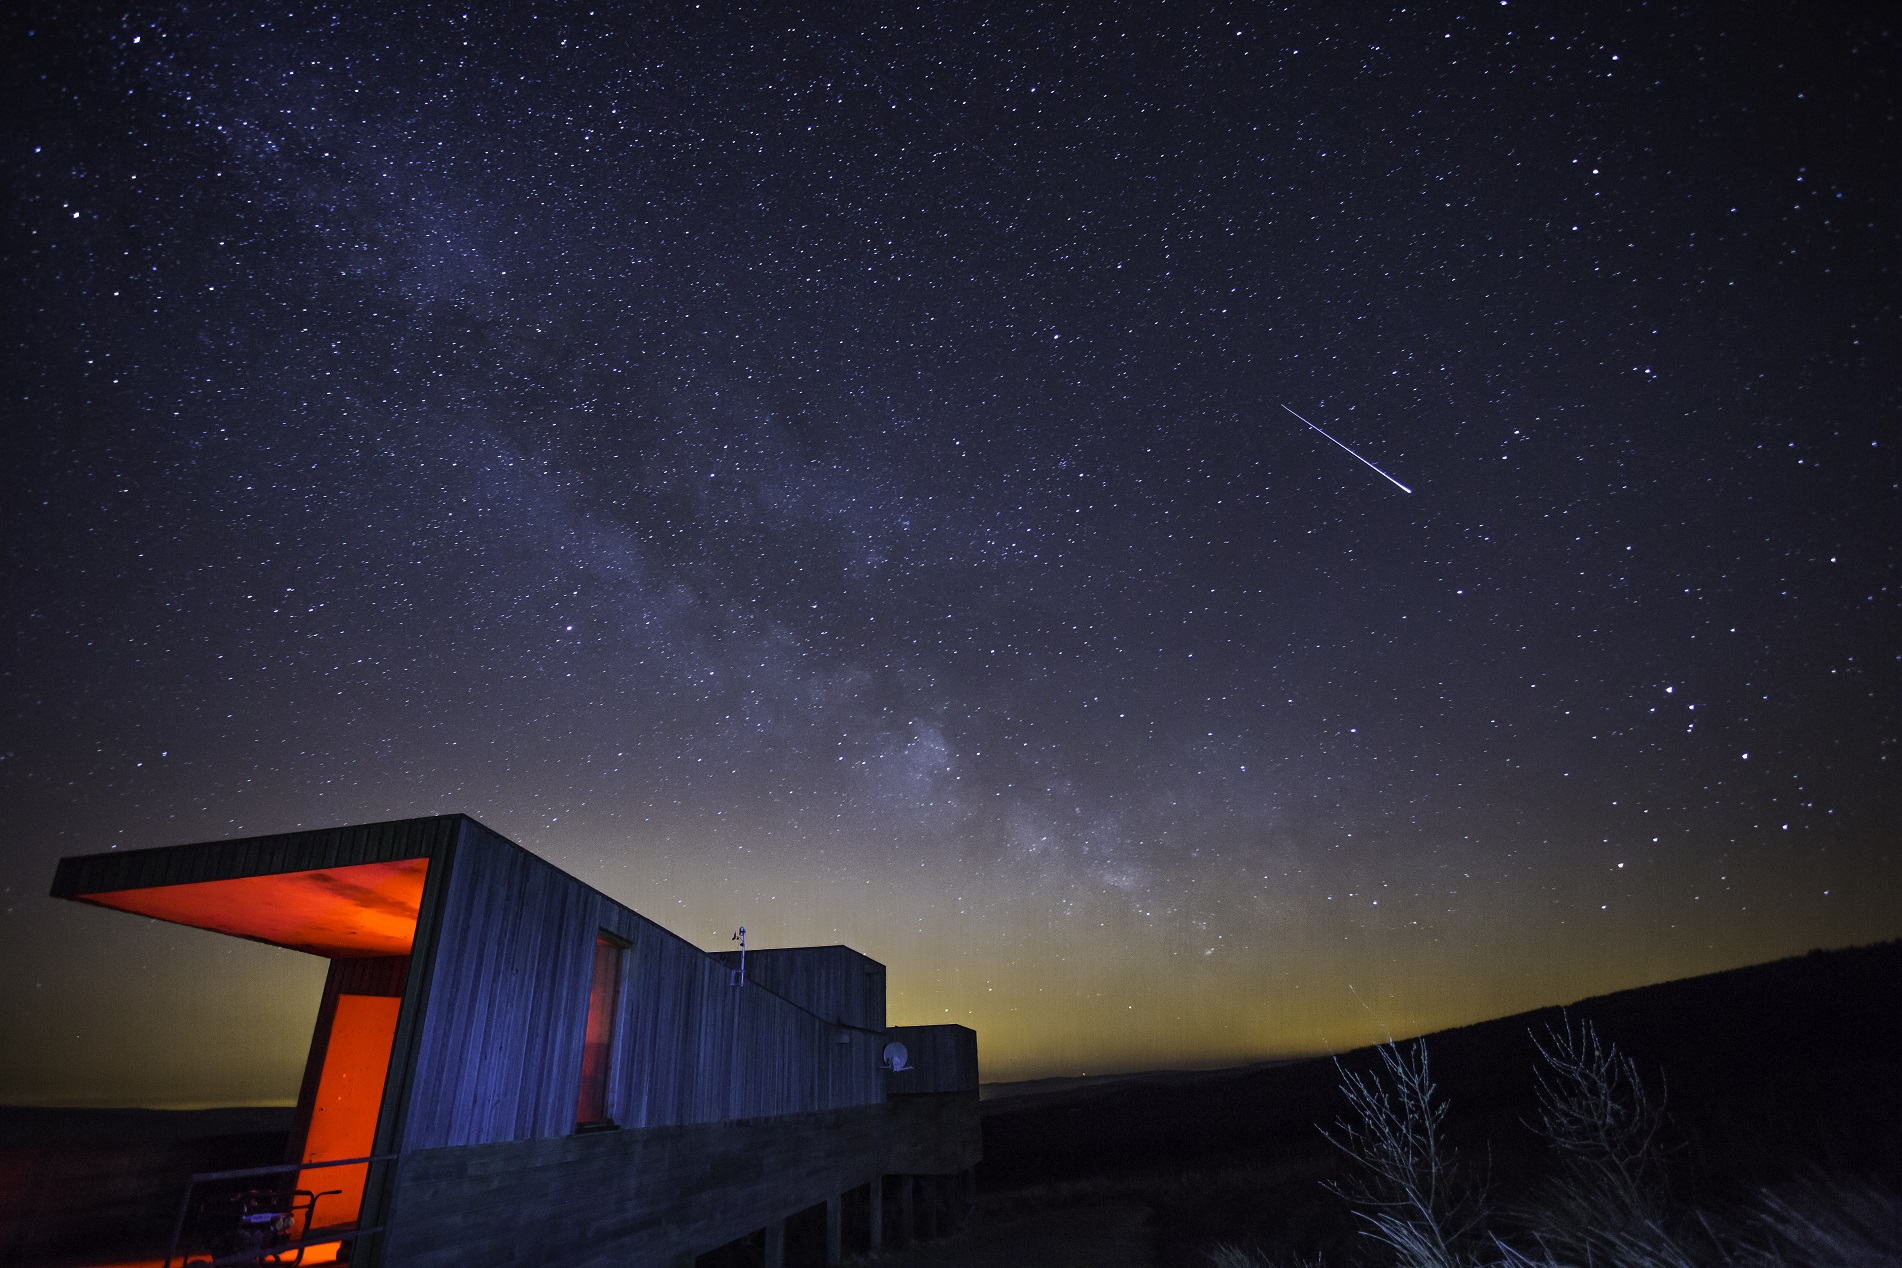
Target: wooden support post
776, 1244
907, 1212
876, 1218
835, 1229
932, 1190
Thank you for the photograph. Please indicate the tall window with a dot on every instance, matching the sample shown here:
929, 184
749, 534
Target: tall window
597, 1047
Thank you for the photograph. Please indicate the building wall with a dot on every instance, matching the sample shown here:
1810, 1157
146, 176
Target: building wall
836, 982
942, 1059
254, 856
655, 1196
506, 1003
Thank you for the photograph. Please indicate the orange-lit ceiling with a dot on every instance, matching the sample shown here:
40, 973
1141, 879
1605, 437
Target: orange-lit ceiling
341, 912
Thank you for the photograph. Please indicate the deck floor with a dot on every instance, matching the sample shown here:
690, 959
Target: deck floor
313, 1255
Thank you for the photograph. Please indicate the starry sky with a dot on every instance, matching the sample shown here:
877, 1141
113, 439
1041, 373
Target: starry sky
827, 469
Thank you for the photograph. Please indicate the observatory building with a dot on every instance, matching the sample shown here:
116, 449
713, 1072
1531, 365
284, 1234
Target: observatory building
537, 1074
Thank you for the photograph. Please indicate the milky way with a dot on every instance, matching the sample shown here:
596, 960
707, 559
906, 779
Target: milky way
826, 472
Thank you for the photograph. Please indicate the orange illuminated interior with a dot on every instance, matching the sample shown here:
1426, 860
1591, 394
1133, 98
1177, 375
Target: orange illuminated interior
598, 1039
349, 1097
325, 1254
339, 912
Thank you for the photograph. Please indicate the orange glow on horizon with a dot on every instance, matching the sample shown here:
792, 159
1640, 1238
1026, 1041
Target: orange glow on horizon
342, 912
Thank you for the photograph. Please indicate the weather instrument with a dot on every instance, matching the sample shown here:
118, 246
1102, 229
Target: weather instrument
737, 977
1382, 474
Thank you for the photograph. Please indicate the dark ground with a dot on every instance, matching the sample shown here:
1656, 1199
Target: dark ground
74, 1182
1772, 1073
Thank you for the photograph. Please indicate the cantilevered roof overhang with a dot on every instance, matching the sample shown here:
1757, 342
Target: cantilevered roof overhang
343, 893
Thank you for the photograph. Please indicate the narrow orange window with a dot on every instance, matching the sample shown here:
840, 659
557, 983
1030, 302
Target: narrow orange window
598, 1044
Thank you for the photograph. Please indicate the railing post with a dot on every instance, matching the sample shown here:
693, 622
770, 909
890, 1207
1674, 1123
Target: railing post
776, 1244
351, 1235
835, 1229
877, 1219
178, 1227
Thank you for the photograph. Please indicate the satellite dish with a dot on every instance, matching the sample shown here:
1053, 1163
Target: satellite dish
896, 1057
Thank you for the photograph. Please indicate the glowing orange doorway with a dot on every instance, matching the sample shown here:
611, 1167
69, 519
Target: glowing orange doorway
349, 1098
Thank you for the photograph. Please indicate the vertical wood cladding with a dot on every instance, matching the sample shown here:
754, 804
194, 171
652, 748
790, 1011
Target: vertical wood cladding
835, 982
942, 1059
500, 1056
252, 856
655, 1195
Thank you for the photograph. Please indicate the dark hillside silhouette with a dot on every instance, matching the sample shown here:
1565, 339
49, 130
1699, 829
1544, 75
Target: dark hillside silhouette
1768, 1068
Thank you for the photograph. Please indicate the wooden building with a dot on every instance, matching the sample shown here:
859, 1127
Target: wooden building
551, 1078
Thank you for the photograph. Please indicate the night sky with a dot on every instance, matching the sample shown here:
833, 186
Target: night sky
828, 471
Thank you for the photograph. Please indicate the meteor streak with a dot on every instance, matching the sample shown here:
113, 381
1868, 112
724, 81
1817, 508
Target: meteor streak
1382, 474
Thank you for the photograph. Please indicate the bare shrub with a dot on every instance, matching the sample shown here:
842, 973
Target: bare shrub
1596, 1112
1606, 1202
1409, 1187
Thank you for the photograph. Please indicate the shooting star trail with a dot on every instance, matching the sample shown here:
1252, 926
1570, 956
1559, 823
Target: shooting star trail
1382, 474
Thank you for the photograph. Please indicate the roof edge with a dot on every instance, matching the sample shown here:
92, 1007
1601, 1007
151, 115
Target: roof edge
310, 850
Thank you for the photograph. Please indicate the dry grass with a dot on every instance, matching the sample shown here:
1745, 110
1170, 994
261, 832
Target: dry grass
1604, 1200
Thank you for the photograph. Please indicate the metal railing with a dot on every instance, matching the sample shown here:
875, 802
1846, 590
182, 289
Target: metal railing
320, 1237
